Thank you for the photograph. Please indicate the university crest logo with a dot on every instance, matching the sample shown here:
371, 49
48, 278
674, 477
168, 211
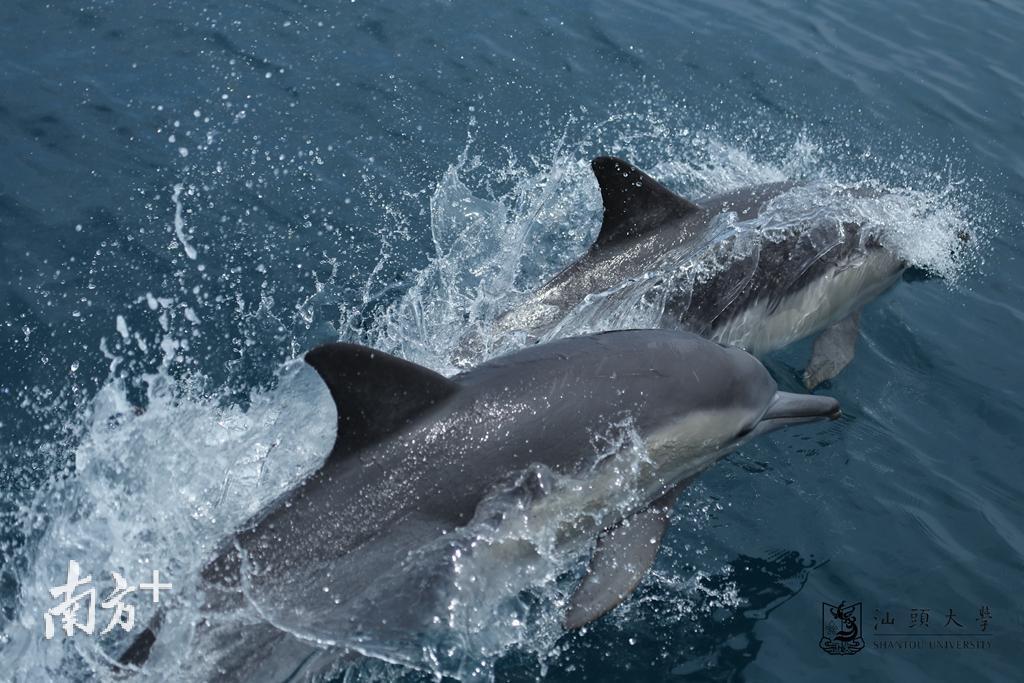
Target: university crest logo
840, 629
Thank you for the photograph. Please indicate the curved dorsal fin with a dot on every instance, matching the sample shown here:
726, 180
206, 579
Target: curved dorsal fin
634, 202
374, 393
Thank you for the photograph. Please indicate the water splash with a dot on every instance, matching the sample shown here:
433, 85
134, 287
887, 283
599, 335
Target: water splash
491, 249
161, 487
158, 489
179, 223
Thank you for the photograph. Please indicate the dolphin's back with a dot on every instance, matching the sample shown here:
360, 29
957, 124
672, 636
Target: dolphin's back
539, 406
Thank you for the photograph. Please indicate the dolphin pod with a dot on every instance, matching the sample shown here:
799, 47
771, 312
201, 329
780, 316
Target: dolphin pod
418, 455
813, 279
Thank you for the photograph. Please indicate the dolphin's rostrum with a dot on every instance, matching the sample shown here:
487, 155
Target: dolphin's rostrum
417, 454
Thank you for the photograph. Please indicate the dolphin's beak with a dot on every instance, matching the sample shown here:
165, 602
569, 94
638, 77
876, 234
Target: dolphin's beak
790, 409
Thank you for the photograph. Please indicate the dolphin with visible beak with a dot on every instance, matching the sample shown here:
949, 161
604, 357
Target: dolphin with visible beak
339, 559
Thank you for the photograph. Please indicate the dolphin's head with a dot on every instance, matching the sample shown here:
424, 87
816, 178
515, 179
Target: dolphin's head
713, 398
958, 251
749, 393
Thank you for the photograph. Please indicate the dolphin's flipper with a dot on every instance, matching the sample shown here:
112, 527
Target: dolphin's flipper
833, 350
375, 393
623, 556
634, 202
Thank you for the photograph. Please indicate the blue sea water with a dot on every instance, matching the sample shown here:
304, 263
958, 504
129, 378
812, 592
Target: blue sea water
192, 193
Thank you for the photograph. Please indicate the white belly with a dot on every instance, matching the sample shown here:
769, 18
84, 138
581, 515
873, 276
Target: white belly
809, 310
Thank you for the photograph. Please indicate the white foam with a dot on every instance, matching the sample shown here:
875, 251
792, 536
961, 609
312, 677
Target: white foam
159, 490
179, 222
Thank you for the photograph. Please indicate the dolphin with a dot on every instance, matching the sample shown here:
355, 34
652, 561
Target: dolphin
339, 560
812, 279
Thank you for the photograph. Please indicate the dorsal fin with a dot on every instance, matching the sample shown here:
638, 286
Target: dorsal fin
634, 202
374, 393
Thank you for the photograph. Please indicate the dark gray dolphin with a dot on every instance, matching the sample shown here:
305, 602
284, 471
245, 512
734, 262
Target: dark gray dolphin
813, 278
340, 559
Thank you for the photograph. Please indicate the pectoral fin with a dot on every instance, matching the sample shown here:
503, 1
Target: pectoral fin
623, 556
833, 350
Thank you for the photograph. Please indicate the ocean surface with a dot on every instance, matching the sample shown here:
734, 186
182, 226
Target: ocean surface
192, 194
